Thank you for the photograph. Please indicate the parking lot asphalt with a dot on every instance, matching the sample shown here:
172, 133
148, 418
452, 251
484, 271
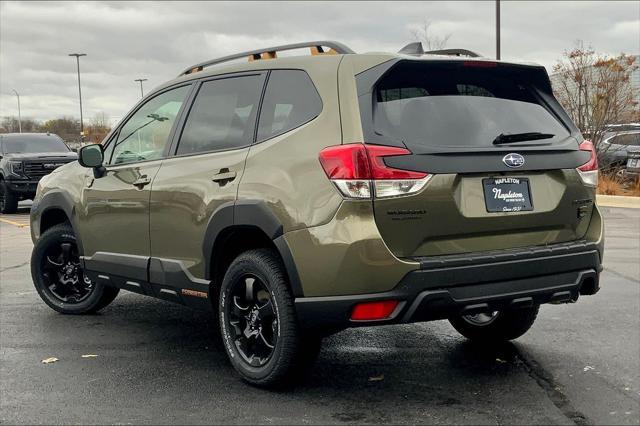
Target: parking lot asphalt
161, 363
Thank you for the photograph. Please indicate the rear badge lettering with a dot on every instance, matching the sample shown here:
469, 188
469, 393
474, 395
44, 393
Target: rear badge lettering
408, 214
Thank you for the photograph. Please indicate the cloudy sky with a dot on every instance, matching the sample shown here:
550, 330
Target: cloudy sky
156, 40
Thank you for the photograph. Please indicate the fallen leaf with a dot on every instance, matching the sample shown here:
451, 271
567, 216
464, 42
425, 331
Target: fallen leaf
90, 356
49, 360
377, 378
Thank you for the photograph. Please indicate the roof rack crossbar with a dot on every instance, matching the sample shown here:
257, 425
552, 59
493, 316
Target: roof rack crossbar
270, 53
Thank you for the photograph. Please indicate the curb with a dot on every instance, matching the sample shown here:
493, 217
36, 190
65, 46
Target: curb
618, 201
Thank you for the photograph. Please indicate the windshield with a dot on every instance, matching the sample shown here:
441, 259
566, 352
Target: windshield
32, 144
453, 105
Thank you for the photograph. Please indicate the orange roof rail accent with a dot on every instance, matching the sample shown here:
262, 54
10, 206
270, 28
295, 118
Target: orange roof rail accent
194, 69
318, 50
264, 55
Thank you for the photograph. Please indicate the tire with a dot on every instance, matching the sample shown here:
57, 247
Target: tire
259, 273
8, 199
505, 325
44, 272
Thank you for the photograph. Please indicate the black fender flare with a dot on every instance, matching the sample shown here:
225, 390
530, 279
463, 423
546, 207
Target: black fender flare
55, 200
254, 213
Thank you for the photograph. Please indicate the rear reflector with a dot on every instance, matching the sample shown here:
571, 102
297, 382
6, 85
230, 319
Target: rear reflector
371, 311
358, 170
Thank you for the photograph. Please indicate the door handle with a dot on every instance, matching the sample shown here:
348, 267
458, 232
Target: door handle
142, 181
224, 176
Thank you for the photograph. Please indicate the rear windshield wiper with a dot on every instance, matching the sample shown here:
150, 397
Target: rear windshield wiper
503, 138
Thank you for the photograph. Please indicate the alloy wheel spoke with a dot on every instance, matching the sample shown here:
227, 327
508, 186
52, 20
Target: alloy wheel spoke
237, 304
66, 252
265, 341
266, 310
236, 326
249, 292
50, 264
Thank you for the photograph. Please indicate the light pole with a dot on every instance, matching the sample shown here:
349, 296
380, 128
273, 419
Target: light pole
497, 29
77, 55
141, 80
19, 114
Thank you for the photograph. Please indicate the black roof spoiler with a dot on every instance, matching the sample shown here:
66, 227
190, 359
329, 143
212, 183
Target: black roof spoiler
416, 49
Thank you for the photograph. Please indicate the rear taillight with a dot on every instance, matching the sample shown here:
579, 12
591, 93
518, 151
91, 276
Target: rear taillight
359, 171
589, 171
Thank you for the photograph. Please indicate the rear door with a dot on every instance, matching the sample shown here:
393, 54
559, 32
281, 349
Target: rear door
201, 176
482, 194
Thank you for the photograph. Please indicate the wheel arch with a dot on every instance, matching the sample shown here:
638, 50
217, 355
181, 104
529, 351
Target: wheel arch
243, 225
53, 208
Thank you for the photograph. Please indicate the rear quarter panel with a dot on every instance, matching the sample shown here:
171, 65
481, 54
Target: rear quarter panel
284, 171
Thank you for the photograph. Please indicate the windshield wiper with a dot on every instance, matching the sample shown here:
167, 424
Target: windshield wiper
503, 138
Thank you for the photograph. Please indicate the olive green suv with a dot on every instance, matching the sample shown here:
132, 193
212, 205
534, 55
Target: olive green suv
296, 196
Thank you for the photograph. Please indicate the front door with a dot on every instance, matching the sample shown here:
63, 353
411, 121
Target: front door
114, 218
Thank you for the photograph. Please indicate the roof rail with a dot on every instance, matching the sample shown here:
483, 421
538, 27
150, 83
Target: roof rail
454, 52
270, 53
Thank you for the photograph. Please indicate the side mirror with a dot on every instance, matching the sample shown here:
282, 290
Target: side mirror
91, 156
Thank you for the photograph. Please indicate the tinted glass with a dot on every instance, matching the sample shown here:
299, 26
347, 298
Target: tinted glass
223, 115
145, 135
453, 105
629, 139
291, 100
13, 144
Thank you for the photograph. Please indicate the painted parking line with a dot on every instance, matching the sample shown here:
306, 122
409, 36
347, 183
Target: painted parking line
11, 222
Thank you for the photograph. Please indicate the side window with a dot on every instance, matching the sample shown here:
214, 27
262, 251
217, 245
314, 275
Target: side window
629, 139
108, 150
290, 101
223, 115
145, 135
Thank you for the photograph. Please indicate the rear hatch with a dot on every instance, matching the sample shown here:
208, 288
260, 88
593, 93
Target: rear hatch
497, 151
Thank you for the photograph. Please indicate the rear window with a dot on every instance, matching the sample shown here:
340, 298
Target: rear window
428, 105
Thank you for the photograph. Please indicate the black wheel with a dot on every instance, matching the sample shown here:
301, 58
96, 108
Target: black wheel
258, 323
59, 279
496, 326
8, 199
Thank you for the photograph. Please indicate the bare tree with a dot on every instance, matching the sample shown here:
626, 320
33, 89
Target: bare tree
429, 40
68, 128
98, 128
10, 125
100, 120
595, 90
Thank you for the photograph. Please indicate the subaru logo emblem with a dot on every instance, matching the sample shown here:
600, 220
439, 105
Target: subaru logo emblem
513, 160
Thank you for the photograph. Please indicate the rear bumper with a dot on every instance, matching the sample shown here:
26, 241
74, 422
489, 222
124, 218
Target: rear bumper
461, 285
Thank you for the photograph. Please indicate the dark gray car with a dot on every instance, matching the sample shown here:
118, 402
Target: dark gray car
24, 159
615, 146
